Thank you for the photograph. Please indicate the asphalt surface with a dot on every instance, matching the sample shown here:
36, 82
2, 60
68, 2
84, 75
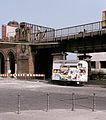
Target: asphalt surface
33, 96
30, 100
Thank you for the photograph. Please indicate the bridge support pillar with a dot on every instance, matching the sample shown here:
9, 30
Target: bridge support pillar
25, 60
59, 56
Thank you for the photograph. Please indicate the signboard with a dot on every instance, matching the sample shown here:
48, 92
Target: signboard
70, 71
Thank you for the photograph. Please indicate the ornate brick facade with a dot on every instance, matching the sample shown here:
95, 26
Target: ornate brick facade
21, 58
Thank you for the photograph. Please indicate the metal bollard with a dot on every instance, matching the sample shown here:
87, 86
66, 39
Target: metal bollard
48, 97
44, 77
93, 102
19, 104
73, 101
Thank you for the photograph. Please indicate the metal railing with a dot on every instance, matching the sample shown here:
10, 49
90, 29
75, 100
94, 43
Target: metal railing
75, 30
21, 101
35, 33
91, 27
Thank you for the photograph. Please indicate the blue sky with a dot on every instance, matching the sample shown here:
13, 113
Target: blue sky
52, 13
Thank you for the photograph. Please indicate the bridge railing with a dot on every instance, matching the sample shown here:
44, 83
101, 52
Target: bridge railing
85, 28
91, 27
35, 33
38, 33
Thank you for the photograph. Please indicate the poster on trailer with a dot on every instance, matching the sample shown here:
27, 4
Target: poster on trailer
70, 70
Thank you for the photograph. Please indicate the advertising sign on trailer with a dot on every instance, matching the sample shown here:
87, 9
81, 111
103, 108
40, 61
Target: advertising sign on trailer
65, 70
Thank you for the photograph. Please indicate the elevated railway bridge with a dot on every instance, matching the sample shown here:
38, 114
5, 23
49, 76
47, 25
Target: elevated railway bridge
33, 48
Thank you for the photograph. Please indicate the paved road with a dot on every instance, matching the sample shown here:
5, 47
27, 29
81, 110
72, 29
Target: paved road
33, 96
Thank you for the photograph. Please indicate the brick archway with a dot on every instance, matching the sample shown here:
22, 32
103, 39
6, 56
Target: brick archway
11, 62
2, 62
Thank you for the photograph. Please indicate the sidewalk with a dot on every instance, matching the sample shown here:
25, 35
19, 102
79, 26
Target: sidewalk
60, 114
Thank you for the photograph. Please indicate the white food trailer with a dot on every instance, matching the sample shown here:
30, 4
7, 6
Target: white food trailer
66, 70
